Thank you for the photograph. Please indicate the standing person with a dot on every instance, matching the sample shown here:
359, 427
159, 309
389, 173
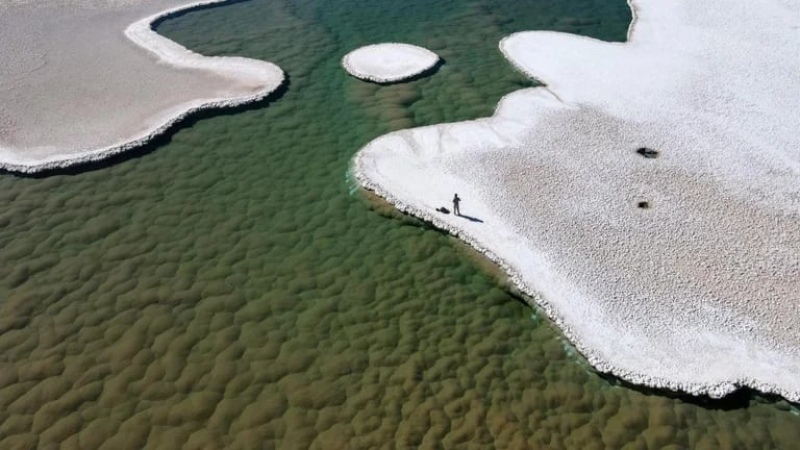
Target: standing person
456, 202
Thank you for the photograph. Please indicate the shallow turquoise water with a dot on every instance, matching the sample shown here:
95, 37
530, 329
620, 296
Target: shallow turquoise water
227, 289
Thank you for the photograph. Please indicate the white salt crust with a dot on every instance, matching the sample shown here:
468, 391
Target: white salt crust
259, 77
700, 293
389, 62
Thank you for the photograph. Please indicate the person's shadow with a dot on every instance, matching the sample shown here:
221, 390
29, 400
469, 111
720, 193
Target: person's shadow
471, 219
444, 210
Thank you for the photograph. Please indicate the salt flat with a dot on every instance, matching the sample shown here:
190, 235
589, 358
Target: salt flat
83, 79
680, 271
389, 62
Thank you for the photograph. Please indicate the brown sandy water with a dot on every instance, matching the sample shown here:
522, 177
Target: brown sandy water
229, 290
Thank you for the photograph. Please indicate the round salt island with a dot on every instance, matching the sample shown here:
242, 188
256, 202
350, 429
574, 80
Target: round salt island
390, 62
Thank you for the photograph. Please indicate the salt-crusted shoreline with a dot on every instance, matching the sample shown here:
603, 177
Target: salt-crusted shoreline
389, 62
257, 80
697, 293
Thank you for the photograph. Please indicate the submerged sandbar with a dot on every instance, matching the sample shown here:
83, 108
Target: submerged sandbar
678, 269
84, 79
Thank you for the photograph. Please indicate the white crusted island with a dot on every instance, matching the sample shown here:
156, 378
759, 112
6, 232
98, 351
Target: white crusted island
648, 197
389, 62
81, 80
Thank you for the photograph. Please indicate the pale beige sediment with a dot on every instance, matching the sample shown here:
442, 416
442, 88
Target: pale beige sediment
698, 293
80, 81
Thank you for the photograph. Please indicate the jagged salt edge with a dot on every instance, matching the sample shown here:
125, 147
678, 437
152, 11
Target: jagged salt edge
365, 76
712, 390
524, 71
172, 53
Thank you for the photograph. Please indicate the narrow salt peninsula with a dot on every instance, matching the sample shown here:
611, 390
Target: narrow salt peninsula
389, 63
81, 80
648, 197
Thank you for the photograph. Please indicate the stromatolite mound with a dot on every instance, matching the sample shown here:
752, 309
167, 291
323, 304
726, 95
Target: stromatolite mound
390, 62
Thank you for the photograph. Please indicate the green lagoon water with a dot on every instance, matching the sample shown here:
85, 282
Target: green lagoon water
230, 289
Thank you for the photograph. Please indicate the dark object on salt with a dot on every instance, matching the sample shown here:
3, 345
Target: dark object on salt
443, 210
643, 205
648, 153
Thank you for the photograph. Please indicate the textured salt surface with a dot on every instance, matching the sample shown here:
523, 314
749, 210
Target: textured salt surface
698, 293
389, 62
225, 291
76, 89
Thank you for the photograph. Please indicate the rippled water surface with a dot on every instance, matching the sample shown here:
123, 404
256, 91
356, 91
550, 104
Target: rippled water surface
228, 288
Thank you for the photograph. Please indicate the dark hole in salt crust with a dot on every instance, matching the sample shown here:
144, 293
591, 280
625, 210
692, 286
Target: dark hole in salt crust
648, 153
643, 205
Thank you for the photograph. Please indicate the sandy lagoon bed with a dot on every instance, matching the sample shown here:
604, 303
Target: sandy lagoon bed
680, 271
83, 79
